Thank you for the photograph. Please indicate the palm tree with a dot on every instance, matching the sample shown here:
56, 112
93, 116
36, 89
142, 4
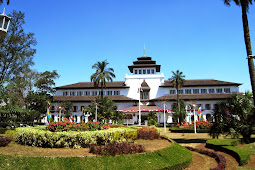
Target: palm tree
102, 75
7, 1
177, 80
245, 8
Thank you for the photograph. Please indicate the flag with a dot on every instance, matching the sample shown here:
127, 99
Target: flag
228, 113
48, 111
199, 112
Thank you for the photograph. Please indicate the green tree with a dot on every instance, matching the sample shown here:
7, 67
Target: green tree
7, 1
179, 113
245, 8
102, 75
177, 80
16, 52
106, 110
152, 118
235, 117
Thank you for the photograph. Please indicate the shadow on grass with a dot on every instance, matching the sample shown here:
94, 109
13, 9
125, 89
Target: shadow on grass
190, 140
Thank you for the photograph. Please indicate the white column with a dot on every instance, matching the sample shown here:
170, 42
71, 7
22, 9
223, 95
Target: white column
139, 120
164, 116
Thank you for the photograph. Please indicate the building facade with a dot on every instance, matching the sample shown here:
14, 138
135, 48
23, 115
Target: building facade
147, 87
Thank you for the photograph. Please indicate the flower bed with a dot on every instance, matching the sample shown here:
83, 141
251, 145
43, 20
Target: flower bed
148, 133
219, 158
116, 148
38, 136
226, 145
199, 125
67, 125
4, 141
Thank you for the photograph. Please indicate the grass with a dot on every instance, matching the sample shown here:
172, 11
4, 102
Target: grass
242, 155
174, 156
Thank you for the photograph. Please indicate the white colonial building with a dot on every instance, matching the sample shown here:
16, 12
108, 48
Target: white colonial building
156, 94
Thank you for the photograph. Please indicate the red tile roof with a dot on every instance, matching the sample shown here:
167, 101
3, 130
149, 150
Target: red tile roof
202, 82
207, 96
90, 85
90, 98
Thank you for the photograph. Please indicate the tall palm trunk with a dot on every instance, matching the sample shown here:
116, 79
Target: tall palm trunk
178, 105
248, 47
102, 91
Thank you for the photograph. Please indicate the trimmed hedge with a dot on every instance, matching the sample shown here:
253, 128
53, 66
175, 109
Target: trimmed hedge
183, 130
229, 146
172, 157
38, 136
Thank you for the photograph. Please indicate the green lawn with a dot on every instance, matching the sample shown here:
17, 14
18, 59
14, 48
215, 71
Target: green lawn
173, 156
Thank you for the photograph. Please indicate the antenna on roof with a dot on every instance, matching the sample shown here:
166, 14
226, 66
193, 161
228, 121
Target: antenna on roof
144, 50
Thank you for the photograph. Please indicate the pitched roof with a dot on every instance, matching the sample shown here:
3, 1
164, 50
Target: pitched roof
90, 85
207, 96
202, 82
144, 62
90, 98
144, 108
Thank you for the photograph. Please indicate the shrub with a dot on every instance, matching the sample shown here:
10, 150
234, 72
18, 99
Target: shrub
116, 148
38, 136
148, 133
11, 134
225, 145
219, 158
67, 125
4, 141
199, 125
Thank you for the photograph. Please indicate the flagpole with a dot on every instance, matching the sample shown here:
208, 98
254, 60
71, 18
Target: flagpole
195, 128
165, 116
139, 123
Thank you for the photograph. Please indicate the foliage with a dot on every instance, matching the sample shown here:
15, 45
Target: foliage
241, 155
16, 52
102, 75
38, 136
116, 148
173, 157
106, 110
240, 120
66, 125
199, 125
219, 158
10, 133
4, 141
152, 118
179, 113
148, 133
184, 130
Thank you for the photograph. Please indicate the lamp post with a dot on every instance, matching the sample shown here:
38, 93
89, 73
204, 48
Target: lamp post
96, 113
195, 130
60, 113
139, 121
4, 23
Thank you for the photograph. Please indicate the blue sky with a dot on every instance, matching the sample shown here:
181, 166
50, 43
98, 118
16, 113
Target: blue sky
202, 38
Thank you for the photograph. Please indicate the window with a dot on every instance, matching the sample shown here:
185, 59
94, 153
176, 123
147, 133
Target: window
187, 91
144, 71
79, 93
152, 71
82, 108
72, 93
203, 90
208, 107
116, 93
226, 90
180, 91
87, 93
135, 71
219, 90
195, 91
211, 90
148, 71
65, 93
52, 107
140, 71
94, 93
74, 108
109, 93
144, 95
172, 91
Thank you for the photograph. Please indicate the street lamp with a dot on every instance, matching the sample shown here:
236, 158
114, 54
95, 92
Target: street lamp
195, 128
4, 22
